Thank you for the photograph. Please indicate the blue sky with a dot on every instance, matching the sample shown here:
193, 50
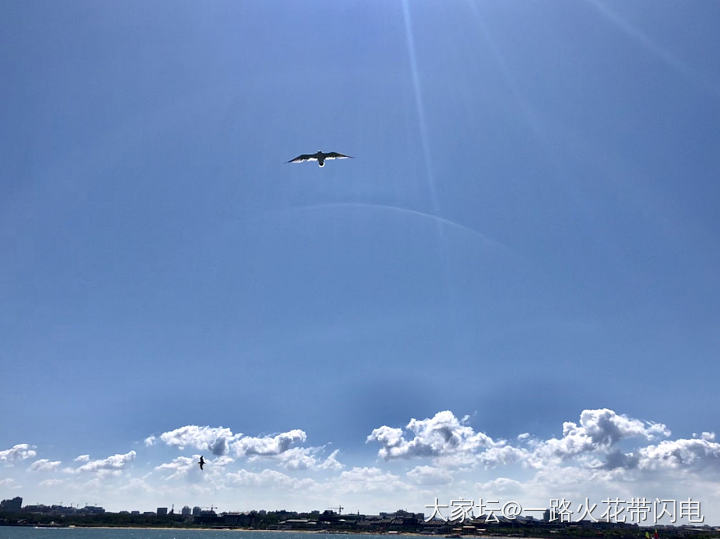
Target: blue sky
528, 231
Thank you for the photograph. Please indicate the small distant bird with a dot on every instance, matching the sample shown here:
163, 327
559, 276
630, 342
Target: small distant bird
201, 462
319, 157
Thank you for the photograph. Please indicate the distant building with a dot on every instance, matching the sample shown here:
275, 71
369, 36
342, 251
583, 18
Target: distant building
403, 517
37, 508
206, 517
186, 511
92, 510
11, 506
162, 511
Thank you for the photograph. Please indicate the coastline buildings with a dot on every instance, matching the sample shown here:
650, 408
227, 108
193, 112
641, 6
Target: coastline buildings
12, 513
11, 506
14, 505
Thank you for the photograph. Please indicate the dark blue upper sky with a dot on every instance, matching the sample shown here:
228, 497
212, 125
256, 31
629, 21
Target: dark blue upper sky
529, 227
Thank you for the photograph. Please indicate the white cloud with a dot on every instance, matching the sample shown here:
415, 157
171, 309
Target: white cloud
44, 465
188, 468
440, 435
689, 454
267, 478
82, 458
221, 461
212, 439
304, 458
429, 475
593, 443
221, 441
268, 445
598, 432
331, 462
180, 467
284, 448
501, 455
370, 479
113, 464
388, 437
17, 453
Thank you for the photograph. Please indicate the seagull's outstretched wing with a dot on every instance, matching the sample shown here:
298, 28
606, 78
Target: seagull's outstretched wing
335, 155
304, 157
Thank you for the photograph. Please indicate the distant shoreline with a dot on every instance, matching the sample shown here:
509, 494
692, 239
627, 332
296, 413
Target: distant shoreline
309, 532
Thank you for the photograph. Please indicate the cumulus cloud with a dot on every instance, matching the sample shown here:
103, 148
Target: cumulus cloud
44, 465
592, 442
500, 455
113, 464
212, 439
268, 445
222, 441
297, 458
221, 461
617, 460
389, 437
442, 434
188, 468
180, 467
693, 454
82, 458
598, 432
286, 448
17, 453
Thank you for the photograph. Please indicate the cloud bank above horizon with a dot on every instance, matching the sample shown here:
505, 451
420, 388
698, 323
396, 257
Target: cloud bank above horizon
602, 453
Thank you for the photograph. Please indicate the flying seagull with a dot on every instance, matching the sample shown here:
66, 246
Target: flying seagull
201, 462
319, 157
